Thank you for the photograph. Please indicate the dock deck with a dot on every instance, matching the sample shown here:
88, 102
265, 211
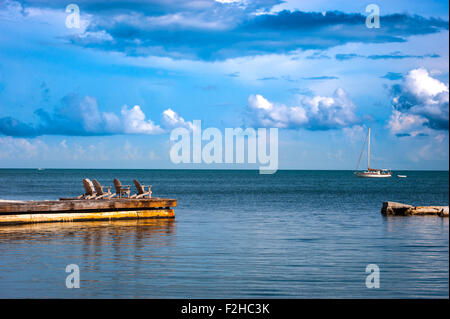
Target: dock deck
24, 212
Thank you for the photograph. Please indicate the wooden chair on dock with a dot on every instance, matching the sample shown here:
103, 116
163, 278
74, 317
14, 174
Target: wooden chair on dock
121, 189
89, 190
100, 192
141, 192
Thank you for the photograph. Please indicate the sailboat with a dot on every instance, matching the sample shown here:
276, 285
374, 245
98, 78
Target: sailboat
371, 172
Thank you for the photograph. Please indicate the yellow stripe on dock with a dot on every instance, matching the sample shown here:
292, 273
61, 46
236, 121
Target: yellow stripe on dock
86, 216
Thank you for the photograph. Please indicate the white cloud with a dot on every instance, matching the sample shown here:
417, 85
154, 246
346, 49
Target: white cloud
354, 133
331, 112
171, 119
19, 148
95, 36
259, 102
134, 122
421, 84
406, 123
81, 117
86, 113
181, 20
11, 10
316, 113
268, 114
420, 101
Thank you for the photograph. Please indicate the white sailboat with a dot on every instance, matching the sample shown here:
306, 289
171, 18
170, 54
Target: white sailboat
371, 172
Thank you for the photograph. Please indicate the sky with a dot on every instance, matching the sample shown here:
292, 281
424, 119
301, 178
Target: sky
107, 92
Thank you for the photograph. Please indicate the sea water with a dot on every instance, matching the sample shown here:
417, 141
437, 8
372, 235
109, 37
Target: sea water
237, 234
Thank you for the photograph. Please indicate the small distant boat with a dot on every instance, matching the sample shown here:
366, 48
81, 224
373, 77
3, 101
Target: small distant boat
371, 172
40, 169
402, 176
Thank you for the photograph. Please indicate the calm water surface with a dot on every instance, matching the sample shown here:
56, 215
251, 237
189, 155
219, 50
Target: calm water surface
237, 234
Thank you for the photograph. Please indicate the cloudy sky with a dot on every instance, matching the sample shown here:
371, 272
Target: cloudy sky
107, 94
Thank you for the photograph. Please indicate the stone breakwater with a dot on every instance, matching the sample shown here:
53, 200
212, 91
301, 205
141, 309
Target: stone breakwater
399, 209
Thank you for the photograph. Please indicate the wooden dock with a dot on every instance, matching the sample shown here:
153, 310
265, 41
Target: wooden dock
25, 212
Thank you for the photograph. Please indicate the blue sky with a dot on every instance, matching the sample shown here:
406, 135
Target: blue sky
107, 94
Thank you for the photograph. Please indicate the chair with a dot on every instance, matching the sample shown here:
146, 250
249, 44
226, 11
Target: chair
100, 192
121, 189
141, 192
89, 190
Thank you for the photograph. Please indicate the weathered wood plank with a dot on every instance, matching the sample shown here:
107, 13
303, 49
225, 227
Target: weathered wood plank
83, 204
74, 217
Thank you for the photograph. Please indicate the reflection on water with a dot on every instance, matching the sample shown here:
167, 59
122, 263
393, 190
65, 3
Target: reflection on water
415, 250
36, 266
95, 233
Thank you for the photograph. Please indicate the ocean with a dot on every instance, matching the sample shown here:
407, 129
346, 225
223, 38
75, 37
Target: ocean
237, 234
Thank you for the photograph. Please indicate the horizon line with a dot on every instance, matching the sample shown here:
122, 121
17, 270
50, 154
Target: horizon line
204, 169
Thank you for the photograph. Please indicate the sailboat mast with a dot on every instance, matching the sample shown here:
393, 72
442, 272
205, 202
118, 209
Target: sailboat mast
368, 152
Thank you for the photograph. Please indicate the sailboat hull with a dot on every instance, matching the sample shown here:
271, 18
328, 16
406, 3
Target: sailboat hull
373, 174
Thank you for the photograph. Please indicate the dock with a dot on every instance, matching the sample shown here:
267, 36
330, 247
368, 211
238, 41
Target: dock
26, 212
